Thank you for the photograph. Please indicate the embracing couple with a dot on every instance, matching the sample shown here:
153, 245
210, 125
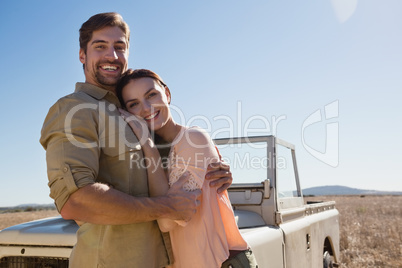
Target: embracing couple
131, 215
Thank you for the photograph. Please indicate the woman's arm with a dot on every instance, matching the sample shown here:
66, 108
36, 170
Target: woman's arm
157, 180
158, 184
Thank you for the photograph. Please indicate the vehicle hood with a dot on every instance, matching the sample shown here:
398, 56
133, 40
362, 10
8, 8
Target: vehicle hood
53, 231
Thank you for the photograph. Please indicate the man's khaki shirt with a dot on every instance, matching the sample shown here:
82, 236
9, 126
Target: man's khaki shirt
86, 141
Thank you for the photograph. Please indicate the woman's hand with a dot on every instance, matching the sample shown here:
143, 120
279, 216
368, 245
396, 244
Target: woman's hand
137, 124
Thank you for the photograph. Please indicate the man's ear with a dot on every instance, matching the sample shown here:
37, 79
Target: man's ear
167, 92
82, 56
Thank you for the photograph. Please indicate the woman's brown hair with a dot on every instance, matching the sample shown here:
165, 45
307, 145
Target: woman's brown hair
131, 74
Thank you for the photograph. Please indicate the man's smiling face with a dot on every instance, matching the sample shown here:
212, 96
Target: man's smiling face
106, 57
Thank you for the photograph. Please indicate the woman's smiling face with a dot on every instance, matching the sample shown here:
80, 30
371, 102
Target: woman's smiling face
147, 98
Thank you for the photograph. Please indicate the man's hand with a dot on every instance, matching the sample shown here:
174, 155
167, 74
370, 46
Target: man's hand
219, 176
184, 204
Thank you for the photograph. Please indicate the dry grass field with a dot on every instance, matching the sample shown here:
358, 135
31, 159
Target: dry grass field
10, 219
370, 229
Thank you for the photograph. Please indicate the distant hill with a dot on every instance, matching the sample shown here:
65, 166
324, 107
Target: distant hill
343, 190
316, 191
27, 207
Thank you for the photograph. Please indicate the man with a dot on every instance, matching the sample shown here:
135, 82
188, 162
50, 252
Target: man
95, 168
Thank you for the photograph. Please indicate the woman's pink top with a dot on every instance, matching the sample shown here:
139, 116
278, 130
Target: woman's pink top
206, 239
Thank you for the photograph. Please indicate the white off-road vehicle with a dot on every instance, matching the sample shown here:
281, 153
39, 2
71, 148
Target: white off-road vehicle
267, 200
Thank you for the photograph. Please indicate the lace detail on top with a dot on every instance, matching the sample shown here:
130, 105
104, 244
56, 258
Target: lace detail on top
176, 172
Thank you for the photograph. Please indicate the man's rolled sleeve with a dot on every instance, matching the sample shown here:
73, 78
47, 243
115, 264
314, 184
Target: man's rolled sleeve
72, 151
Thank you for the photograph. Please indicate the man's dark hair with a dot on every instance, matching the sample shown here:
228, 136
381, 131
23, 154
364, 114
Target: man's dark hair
100, 21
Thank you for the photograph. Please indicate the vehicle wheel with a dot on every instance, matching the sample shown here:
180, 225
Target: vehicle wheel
328, 260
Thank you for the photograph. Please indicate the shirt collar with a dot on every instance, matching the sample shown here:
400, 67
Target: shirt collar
97, 92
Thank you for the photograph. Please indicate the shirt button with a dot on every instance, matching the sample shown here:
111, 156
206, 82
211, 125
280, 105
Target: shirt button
65, 169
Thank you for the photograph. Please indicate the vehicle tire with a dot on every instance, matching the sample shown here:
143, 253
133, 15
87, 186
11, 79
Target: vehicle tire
328, 260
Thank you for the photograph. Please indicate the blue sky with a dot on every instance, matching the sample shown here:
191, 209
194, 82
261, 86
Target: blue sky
269, 65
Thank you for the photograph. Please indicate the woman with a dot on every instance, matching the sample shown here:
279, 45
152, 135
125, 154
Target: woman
211, 238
